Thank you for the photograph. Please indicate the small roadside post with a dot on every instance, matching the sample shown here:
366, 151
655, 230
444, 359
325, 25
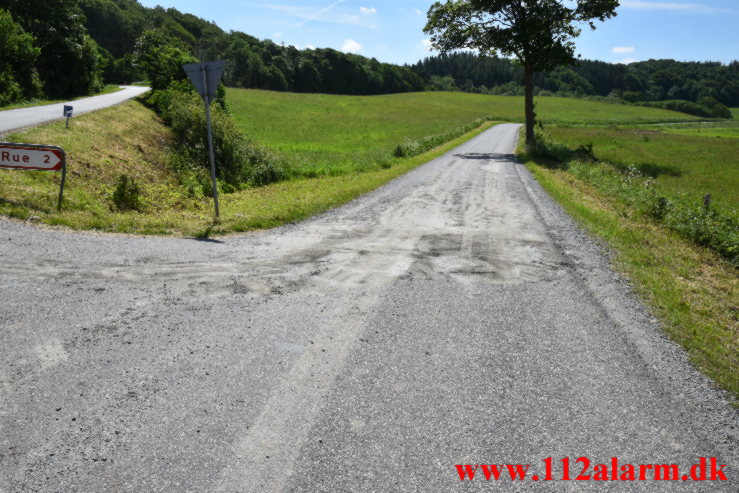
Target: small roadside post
35, 157
68, 110
206, 77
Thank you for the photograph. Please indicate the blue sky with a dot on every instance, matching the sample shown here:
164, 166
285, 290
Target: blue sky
392, 31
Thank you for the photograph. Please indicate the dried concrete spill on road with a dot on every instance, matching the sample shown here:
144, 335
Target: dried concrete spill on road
455, 315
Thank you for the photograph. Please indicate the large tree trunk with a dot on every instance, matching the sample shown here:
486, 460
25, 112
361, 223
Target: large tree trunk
528, 78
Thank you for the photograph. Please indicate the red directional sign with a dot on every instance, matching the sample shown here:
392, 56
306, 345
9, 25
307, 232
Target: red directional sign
27, 156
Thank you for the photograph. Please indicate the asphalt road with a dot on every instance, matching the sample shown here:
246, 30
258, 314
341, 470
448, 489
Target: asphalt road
454, 316
34, 115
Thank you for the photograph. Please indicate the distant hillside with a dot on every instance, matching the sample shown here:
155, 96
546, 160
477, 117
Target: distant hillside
652, 80
118, 25
64, 48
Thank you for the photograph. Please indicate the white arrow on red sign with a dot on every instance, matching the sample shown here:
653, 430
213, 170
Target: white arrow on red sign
48, 158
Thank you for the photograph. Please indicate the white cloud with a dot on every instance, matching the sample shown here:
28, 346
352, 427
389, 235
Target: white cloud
623, 49
627, 61
351, 46
367, 11
418, 11
330, 13
426, 45
686, 7
310, 47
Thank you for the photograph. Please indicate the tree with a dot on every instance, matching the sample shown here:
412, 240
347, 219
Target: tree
539, 33
68, 63
18, 77
161, 57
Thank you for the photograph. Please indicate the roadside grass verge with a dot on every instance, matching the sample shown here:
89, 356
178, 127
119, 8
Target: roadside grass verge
687, 162
320, 134
129, 140
689, 287
108, 89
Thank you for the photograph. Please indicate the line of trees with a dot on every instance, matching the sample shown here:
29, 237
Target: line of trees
46, 51
63, 48
651, 80
126, 30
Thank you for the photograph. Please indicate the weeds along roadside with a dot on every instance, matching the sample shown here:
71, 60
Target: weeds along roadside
692, 289
241, 163
686, 215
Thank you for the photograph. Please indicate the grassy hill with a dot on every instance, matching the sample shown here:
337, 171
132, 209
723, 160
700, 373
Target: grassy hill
327, 134
347, 142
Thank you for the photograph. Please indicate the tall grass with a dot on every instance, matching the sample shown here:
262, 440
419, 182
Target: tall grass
708, 226
331, 135
681, 164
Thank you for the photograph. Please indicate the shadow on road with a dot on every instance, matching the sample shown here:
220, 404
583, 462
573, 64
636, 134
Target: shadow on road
485, 156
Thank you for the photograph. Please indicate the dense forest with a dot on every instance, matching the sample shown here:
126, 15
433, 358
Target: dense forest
63, 48
652, 80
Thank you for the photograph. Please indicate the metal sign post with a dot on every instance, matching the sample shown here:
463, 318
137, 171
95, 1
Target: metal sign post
35, 157
206, 77
68, 113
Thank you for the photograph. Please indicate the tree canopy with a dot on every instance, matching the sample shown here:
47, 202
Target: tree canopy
18, 76
539, 33
637, 81
68, 61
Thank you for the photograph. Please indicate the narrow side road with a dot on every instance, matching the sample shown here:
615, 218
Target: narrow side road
34, 115
454, 316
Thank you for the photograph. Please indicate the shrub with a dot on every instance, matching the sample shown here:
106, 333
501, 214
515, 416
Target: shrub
690, 108
127, 194
239, 162
718, 109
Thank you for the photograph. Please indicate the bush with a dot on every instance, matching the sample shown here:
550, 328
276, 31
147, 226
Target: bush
127, 195
239, 162
690, 108
558, 154
718, 109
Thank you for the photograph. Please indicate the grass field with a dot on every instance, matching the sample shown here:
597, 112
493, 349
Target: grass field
332, 134
681, 160
345, 141
129, 139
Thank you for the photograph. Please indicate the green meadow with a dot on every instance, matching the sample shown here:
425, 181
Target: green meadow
327, 134
335, 148
691, 161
